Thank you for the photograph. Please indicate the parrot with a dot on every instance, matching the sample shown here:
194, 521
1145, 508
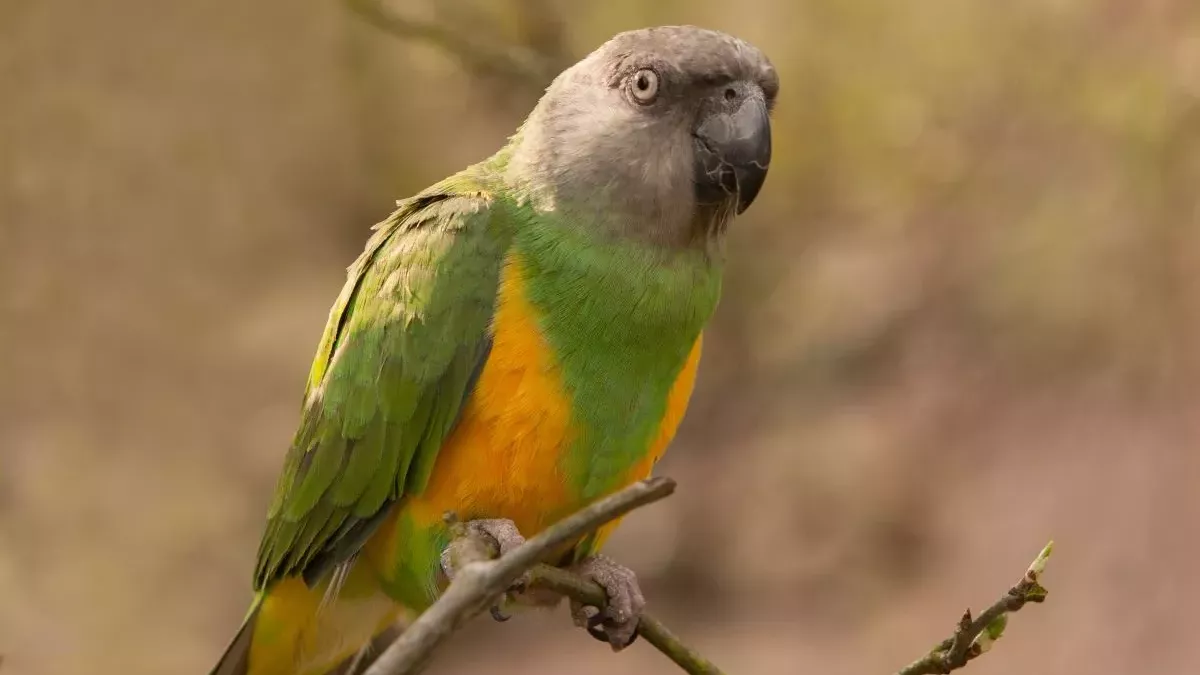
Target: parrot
513, 343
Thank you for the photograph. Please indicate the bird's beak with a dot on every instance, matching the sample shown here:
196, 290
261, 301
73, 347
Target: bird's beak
733, 151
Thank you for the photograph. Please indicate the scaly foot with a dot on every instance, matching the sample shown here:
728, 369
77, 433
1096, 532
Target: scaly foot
617, 624
502, 535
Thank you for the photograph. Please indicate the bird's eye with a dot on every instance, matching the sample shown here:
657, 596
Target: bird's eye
644, 86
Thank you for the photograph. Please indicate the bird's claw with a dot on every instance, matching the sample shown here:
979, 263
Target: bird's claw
617, 624
499, 536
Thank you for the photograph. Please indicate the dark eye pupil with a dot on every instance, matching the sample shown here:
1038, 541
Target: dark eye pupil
643, 82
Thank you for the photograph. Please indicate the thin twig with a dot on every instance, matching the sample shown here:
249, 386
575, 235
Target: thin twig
649, 628
524, 66
476, 584
974, 636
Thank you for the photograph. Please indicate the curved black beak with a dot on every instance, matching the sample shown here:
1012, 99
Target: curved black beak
733, 151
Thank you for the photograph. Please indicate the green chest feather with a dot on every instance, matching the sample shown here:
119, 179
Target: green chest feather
621, 321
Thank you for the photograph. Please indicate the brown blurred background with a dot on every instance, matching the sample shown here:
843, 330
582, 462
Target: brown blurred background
963, 318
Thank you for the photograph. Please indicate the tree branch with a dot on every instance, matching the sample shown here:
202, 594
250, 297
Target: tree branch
974, 636
521, 65
478, 582
482, 579
649, 628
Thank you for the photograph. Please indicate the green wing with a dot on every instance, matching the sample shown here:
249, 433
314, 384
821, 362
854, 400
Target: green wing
404, 343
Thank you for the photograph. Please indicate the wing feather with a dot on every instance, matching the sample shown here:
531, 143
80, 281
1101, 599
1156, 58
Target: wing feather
398, 358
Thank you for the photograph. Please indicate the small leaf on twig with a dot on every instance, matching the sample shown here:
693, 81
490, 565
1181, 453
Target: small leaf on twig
975, 636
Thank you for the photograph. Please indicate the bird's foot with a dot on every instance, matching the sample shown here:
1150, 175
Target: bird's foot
485, 539
617, 624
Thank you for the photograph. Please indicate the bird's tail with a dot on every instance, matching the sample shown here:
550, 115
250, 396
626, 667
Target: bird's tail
236, 659
295, 630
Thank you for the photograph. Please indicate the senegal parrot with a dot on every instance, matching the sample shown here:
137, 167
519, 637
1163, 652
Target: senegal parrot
514, 342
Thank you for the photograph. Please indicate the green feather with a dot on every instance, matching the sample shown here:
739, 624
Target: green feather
390, 374
337, 519
366, 459
309, 529
622, 319
379, 482
410, 437
317, 472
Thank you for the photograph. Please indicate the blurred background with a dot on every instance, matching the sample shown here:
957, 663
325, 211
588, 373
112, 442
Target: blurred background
962, 319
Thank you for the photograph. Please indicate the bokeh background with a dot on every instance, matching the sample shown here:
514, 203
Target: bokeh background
962, 319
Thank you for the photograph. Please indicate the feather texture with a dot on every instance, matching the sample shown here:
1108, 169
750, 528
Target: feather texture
393, 368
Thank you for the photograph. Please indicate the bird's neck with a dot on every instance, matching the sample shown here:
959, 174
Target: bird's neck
591, 283
607, 199
624, 294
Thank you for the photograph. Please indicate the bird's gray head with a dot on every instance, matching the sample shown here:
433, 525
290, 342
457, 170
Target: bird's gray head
660, 135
